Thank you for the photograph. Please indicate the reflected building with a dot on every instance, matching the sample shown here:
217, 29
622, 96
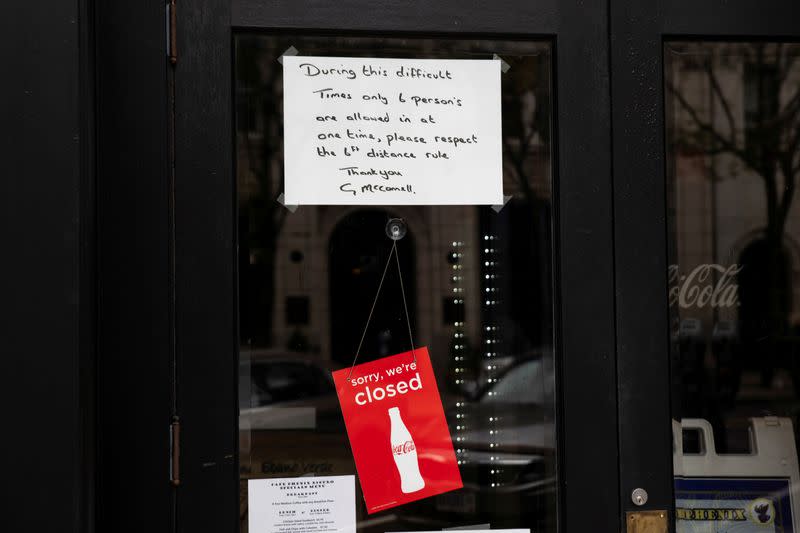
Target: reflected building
477, 282
733, 159
732, 112
311, 274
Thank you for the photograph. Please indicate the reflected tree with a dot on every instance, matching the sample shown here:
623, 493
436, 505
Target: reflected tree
526, 122
758, 128
527, 162
259, 126
765, 137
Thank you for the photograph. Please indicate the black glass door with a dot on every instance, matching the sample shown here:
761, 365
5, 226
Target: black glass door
515, 304
705, 153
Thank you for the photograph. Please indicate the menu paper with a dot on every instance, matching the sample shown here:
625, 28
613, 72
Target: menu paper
397, 430
302, 504
376, 131
475, 530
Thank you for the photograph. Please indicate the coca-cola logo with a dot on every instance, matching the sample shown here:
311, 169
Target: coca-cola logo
404, 448
698, 289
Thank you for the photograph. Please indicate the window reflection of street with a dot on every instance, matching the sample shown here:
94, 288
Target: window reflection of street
733, 139
479, 287
511, 441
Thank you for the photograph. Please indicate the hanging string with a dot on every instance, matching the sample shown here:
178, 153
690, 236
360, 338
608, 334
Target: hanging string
405, 307
394, 252
364, 333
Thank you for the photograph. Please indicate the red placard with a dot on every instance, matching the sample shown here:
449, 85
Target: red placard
397, 430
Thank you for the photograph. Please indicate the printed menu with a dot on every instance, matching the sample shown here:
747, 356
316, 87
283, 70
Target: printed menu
302, 504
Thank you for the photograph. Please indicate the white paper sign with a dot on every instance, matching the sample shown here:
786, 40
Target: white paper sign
295, 504
476, 531
378, 131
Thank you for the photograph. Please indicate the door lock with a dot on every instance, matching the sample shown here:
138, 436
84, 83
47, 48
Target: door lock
639, 496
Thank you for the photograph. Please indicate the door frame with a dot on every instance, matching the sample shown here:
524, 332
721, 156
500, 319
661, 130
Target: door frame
638, 32
165, 238
204, 212
134, 299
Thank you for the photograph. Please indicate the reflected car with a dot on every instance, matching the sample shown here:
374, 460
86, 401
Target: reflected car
290, 423
505, 441
285, 390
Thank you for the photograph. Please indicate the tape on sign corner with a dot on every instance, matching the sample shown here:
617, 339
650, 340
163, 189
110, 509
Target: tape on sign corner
291, 208
505, 67
499, 207
291, 51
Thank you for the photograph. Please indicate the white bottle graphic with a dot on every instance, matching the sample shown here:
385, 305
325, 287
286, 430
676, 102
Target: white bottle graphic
405, 454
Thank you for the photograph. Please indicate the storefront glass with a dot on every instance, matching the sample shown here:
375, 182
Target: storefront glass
733, 159
478, 285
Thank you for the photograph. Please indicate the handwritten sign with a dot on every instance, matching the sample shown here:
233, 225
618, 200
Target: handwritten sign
392, 131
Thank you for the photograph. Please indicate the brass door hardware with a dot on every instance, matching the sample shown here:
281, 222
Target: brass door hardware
646, 521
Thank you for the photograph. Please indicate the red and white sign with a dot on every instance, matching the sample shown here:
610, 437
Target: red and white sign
397, 430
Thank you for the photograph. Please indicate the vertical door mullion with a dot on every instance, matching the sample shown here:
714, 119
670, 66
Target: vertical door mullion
641, 255
205, 328
588, 421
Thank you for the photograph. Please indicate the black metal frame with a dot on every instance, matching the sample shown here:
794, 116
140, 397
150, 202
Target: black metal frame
134, 307
206, 344
205, 283
47, 272
638, 32
120, 273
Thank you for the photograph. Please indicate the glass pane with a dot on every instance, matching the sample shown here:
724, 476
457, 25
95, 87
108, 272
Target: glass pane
478, 285
733, 156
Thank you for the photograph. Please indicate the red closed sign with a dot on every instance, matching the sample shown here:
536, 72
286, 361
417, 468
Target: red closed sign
397, 430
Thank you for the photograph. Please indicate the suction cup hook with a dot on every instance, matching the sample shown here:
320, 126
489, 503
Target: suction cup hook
396, 229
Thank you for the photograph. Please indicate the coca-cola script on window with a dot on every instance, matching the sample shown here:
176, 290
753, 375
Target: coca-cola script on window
397, 430
707, 285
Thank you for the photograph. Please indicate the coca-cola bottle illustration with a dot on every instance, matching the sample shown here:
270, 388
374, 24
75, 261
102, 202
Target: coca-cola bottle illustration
405, 454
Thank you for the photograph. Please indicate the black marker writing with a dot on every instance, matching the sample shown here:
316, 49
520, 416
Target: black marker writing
371, 188
414, 72
313, 70
326, 93
345, 187
369, 70
357, 171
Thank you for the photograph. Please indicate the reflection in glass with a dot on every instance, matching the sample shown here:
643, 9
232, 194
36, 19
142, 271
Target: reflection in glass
479, 288
733, 158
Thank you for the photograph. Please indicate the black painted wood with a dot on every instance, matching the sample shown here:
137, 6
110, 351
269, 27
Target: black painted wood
206, 339
134, 321
457, 16
776, 20
645, 442
206, 334
638, 31
86, 489
588, 415
46, 272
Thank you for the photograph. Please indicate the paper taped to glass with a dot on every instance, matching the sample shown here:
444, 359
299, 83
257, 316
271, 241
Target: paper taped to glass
376, 131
